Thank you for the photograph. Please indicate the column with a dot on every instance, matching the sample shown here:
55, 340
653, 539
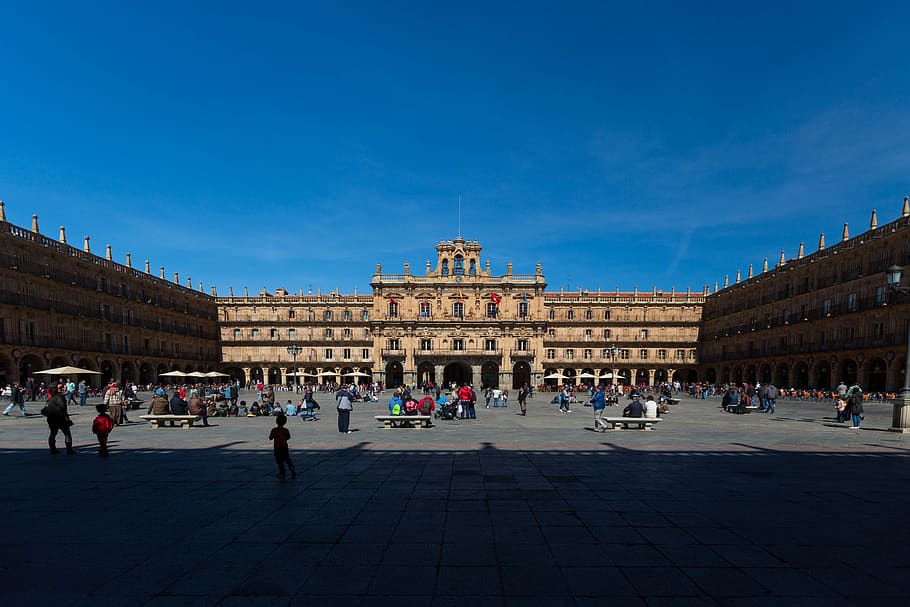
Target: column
246, 375
265, 375
651, 373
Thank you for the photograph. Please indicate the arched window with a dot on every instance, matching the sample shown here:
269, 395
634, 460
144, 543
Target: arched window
445, 267
472, 268
459, 265
458, 309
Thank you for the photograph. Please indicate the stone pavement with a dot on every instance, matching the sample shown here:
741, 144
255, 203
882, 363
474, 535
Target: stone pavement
709, 509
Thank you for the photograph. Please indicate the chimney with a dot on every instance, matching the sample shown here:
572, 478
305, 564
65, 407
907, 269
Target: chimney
230, 291
715, 286
35, 224
161, 275
62, 235
846, 234
783, 259
750, 271
85, 246
176, 278
2, 211
873, 223
147, 268
129, 260
246, 292
738, 276
107, 253
764, 266
821, 242
201, 290
904, 213
802, 251
726, 280
214, 291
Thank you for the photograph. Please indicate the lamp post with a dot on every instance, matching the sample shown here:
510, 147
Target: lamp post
900, 413
294, 350
613, 350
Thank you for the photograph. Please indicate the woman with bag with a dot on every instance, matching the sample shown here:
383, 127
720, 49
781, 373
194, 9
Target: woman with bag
58, 420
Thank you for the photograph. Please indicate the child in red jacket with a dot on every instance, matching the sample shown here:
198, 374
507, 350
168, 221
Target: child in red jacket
102, 427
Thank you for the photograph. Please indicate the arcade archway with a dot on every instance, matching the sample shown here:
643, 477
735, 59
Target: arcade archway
489, 374
521, 375
426, 372
458, 372
394, 374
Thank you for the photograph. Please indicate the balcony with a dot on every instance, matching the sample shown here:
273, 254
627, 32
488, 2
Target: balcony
521, 354
394, 353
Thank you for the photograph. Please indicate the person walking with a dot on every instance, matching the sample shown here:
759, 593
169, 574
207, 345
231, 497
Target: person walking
16, 398
345, 404
505, 398
280, 437
855, 406
599, 403
113, 398
70, 392
58, 420
83, 392
523, 400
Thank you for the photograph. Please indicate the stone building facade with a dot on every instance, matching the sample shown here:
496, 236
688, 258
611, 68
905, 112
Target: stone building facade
63, 306
457, 321
815, 320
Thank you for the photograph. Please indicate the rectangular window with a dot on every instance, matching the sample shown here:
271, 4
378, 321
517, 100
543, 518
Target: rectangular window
587, 334
588, 314
661, 355
365, 315
551, 353
292, 333
424, 309
127, 346
458, 344
327, 315
643, 354
878, 330
426, 345
826, 307
394, 344
61, 332
255, 333
328, 334
346, 354
329, 354
551, 333
346, 315
177, 349
643, 334
492, 310
347, 334
291, 314
489, 345
691, 354
624, 354
521, 345
570, 353
607, 333
881, 296
458, 309
273, 333
606, 315
523, 309
680, 355
852, 302
366, 333
365, 354
588, 354
393, 309
236, 333
570, 314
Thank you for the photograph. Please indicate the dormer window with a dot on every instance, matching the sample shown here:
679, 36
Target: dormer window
459, 265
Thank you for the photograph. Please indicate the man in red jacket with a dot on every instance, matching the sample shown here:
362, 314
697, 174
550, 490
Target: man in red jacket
467, 398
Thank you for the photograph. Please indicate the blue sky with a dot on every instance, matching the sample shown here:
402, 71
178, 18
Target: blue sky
297, 144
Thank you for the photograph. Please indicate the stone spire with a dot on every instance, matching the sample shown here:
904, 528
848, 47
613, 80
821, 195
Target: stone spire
821, 242
189, 282
783, 258
764, 266
62, 238
726, 280
873, 223
2, 211
715, 286
214, 291
246, 292
230, 291
904, 213
107, 253
750, 271
148, 269
176, 278
846, 234
85, 245
201, 290
738, 276
35, 224
161, 273
802, 251
129, 260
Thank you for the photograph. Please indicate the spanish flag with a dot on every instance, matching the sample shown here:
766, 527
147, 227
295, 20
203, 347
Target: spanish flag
495, 298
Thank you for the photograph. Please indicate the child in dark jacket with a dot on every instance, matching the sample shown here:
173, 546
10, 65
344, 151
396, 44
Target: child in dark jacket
280, 437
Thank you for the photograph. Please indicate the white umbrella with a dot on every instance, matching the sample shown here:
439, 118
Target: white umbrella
216, 374
587, 376
326, 374
357, 374
610, 376
555, 376
301, 374
67, 371
173, 374
196, 374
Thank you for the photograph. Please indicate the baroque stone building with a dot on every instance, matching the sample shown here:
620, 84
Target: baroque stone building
457, 321
815, 320
63, 306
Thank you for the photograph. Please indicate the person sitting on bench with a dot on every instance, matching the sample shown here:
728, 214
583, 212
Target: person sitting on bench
634, 409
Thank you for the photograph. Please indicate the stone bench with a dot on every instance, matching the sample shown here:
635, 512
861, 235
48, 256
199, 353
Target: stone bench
617, 423
186, 421
395, 421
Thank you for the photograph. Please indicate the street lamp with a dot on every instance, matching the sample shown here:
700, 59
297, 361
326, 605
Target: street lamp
294, 350
900, 413
613, 351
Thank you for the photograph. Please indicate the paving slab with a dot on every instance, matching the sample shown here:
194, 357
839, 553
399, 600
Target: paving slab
707, 509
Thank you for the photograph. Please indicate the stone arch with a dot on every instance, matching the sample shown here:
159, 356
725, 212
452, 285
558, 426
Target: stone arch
685, 376
725, 375
782, 375
256, 375
127, 372
876, 375
641, 377
822, 372
801, 375
28, 366
764, 373
236, 373
711, 375
146, 375
751, 374
570, 376
459, 372
394, 374
58, 361
6, 370
848, 371
274, 376
109, 371
550, 382
489, 374
426, 372
737, 375
521, 374
660, 376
